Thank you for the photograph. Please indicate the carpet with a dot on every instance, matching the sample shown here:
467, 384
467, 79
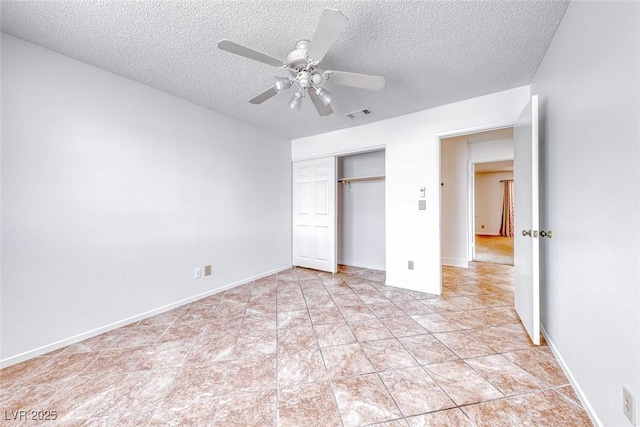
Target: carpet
494, 249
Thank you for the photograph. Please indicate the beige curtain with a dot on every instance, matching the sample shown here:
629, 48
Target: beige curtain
506, 229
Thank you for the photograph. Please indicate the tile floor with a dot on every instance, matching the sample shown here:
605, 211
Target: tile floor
305, 348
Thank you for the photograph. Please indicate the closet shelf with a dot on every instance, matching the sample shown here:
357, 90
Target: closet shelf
361, 178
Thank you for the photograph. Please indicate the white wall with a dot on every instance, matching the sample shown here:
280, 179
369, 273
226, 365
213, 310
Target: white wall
412, 160
113, 192
453, 196
489, 193
361, 212
590, 108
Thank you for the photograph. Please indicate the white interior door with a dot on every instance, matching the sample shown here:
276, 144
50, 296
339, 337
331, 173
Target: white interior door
314, 214
526, 239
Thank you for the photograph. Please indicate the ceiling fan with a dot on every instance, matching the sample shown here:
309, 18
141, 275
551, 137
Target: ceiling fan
303, 64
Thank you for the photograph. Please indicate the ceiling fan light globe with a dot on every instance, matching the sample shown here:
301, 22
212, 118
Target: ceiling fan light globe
316, 78
282, 83
296, 101
324, 95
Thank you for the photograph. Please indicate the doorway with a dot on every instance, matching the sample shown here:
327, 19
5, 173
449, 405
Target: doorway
492, 212
459, 157
361, 211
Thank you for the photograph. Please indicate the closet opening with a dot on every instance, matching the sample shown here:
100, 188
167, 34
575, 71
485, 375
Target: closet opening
361, 213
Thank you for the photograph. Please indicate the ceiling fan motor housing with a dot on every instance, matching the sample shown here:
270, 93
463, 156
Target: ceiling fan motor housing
297, 59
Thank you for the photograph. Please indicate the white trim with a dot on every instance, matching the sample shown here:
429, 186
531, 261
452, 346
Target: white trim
115, 325
342, 153
471, 189
455, 262
585, 402
472, 130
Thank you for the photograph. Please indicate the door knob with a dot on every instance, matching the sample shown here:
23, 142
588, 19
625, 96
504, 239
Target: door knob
548, 234
526, 233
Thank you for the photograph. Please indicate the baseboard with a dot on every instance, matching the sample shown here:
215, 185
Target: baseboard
585, 402
115, 325
455, 262
363, 265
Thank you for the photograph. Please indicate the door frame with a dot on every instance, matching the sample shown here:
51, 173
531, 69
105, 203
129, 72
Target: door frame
335, 155
471, 187
450, 134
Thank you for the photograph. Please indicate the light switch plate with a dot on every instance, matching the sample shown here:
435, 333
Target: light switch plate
422, 205
207, 270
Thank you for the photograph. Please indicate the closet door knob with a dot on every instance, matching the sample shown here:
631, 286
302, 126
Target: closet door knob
526, 233
548, 234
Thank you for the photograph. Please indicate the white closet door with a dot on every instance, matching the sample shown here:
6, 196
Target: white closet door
314, 214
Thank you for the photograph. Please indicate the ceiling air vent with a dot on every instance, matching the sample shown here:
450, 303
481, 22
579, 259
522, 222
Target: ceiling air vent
358, 114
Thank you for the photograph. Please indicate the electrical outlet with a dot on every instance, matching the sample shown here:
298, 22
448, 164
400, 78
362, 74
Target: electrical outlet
410, 265
207, 270
629, 404
197, 273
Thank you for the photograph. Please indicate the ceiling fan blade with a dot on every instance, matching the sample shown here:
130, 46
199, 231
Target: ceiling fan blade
259, 99
361, 81
323, 110
232, 47
331, 24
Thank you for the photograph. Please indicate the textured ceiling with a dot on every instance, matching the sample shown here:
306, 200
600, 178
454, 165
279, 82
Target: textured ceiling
431, 53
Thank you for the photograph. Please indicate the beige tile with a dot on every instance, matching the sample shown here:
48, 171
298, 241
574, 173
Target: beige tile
463, 344
63, 367
214, 348
403, 326
236, 359
383, 310
426, 349
357, 313
447, 418
346, 360
308, 405
540, 365
388, 354
319, 301
374, 297
546, 408
505, 375
140, 391
464, 320
301, 367
400, 422
19, 373
345, 300
370, 330
435, 323
251, 374
334, 334
411, 307
257, 409
462, 383
402, 385
161, 356
296, 339
498, 340
179, 415
255, 342
364, 400
322, 316
568, 392
185, 331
